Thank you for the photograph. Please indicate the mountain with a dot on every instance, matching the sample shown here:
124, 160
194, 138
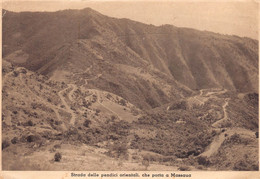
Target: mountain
125, 95
193, 58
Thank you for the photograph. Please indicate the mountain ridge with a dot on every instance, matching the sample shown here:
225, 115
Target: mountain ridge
174, 51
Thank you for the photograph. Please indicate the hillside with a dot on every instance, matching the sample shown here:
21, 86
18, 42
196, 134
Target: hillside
125, 95
194, 58
43, 116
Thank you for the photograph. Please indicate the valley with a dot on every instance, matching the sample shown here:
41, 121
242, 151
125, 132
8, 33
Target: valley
123, 95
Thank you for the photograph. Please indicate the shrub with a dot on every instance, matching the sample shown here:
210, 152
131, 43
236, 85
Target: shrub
58, 122
113, 117
146, 163
57, 157
203, 161
32, 138
5, 144
118, 149
15, 73
184, 168
213, 133
98, 111
57, 146
30, 123
86, 123
14, 140
122, 102
193, 152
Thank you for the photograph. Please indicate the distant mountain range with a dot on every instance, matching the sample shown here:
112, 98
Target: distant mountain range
49, 41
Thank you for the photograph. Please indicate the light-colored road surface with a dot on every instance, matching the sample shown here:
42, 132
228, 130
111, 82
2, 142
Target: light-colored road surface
214, 146
225, 117
74, 87
218, 140
94, 78
60, 93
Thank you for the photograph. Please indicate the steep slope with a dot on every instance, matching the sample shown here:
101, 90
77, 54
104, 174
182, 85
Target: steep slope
42, 117
82, 60
154, 98
194, 58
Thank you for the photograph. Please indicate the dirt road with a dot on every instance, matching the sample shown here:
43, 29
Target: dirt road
218, 123
60, 93
218, 140
53, 107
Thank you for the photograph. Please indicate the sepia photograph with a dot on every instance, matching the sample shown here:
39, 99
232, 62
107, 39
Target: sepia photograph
130, 86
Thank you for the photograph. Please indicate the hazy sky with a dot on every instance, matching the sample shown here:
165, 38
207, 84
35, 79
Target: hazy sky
238, 18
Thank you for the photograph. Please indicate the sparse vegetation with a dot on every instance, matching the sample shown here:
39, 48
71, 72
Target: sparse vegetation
118, 150
32, 138
97, 111
184, 168
244, 165
122, 102
57, 157
5, 144
30, 123
146, 163
14, 140
87, 122
93, 105
57, 146
203, 161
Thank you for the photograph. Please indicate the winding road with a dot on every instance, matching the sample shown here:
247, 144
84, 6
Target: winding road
218, 123
219, 139
53, 107
60, 93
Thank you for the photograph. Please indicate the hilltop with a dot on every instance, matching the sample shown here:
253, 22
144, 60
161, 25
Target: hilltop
197, 59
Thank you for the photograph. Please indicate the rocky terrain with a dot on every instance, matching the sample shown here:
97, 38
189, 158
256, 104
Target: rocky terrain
83, 91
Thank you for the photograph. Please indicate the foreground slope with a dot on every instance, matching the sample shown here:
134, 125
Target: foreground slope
42, 117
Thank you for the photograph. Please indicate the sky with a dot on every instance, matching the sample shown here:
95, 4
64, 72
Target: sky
233, 17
